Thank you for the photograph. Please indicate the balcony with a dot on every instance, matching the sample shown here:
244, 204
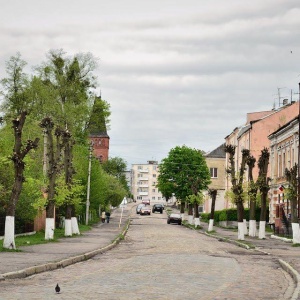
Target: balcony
143, 185
143, 193
143, 178
143, 170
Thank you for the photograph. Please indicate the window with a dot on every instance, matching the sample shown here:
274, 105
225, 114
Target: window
154, 167
279, 166
159, 198
153, 190
153, 198
154, 175
213, 172
140, 175
140, 167
139, 197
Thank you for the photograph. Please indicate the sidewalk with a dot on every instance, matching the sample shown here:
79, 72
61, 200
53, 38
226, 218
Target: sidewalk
39, 258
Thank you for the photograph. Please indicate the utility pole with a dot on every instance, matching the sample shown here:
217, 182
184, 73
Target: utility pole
88, 186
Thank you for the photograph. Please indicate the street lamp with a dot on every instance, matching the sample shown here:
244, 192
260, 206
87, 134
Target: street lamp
88, 186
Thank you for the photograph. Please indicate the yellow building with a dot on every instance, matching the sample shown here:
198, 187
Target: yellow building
215, 161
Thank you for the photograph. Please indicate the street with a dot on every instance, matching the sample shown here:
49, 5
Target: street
161, 261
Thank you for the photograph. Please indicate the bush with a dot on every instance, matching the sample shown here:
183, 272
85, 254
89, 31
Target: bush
231, 215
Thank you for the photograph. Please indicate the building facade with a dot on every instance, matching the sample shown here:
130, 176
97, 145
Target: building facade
215, 161
284, 150
144, 180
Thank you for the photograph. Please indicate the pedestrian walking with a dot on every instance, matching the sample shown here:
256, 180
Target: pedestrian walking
107, 214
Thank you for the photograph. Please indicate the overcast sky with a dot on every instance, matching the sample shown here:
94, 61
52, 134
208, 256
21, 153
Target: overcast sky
174, 72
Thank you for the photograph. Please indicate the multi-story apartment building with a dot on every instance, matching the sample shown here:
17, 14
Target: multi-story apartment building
144, 179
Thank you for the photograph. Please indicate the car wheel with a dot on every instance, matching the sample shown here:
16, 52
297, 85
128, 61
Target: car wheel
179, 223
161, 212
168, 221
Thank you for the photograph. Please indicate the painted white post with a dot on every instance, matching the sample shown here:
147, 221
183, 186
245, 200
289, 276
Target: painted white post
75, 228
252, 228
197, 222
241, 235
49, 230
245, 227
211, 225
262, 230
296, 233
9, 233
68, 227
191, 219
182, 217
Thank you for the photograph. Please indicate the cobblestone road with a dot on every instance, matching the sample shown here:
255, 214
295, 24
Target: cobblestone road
161, 261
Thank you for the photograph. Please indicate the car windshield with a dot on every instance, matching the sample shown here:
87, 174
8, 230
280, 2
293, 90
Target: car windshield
141, 205
158, 205
175, 216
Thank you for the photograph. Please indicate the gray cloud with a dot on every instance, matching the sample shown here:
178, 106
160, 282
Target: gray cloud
173, 74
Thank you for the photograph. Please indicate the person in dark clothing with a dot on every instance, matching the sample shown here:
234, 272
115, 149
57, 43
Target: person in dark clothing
107, 214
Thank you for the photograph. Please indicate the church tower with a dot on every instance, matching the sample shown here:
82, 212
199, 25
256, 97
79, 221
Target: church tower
97, 130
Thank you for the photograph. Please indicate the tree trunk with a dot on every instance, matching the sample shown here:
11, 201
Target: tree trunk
196, 214
68, 222
182, 206
240, 211
263, 217
252, 218
190, 213
19, 153
75, 227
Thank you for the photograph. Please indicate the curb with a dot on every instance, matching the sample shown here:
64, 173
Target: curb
294, 274
65, 262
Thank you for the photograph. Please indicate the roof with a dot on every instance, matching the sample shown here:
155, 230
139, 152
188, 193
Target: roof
217, 153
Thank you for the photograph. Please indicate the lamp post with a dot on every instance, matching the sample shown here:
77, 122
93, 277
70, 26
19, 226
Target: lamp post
88, 186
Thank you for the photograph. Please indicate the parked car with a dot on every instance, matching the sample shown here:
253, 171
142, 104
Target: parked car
157, 207
139, 207
174, 218
145, 210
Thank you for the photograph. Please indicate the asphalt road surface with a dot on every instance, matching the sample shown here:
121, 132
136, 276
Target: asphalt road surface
161, 261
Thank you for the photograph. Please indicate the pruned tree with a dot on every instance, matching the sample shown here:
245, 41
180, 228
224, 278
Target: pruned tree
263, 184
252, 192
54, 167
213, 194
292, 194
237, 185
19, 153
17, 102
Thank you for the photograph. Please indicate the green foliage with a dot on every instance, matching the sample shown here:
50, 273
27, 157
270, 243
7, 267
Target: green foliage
198, 198
68, 194
230, 215
31, 200
116, 167
186, 169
